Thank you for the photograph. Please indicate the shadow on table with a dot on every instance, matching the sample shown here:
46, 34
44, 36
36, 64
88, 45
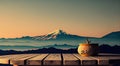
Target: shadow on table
5, 65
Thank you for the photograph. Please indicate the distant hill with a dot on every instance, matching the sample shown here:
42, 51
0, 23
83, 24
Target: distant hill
102, 49
114, 35
61, 46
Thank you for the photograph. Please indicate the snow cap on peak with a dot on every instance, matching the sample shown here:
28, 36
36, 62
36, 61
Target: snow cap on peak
58, 31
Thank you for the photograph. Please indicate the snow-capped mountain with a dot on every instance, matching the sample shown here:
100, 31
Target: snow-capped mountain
57, 34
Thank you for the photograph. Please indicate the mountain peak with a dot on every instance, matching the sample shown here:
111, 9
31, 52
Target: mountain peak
56, 32
57, 35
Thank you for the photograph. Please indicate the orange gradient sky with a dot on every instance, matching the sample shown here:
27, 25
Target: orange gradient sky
37, 17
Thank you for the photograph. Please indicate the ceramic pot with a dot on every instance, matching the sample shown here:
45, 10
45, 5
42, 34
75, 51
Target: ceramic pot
88, 49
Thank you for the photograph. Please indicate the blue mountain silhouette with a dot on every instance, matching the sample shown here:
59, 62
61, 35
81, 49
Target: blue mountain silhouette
114, 35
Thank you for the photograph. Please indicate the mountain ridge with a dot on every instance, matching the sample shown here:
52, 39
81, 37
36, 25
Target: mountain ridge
115, 35
60, 34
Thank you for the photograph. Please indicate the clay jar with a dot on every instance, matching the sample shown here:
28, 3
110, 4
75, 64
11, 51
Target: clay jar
88, 49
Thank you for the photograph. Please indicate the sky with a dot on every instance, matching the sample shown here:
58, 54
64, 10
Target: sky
37, 17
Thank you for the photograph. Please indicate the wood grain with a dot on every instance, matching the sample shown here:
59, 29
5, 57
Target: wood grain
59, 59
86, 60
5, 59
102, 60
53, 59
70, 59
36, 60
21, 60
114, 59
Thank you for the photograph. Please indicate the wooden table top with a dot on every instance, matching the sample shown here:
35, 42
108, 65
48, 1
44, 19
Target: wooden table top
58, 59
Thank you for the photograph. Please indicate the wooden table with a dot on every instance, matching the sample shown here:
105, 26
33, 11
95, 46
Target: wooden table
58, 59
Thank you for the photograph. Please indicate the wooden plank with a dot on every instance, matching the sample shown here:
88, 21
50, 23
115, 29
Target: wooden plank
102, 60
111, 59
53, 59
5, 59
109, 54
19, 56
4, 56
69, 59
21, 60
36, 60
86, 60
114, 59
